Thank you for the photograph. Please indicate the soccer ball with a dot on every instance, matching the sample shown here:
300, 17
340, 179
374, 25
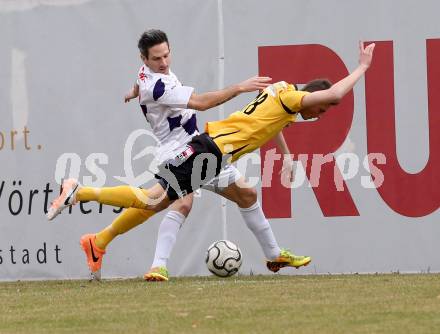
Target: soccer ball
223, 258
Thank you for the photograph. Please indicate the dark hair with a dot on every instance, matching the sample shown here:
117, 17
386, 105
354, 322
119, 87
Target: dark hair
317, 84
151, 38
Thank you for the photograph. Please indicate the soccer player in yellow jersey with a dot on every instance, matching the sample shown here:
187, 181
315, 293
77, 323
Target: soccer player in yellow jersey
224, 141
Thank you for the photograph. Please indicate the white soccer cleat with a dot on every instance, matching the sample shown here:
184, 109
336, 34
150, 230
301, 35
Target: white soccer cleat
67, 198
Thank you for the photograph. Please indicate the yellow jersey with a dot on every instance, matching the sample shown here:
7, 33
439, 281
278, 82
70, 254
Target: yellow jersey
248, 129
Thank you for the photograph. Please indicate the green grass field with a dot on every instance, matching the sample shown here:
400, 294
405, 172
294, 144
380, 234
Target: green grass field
248, 304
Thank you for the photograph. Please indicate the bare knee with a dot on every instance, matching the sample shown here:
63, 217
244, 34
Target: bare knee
184, 209
183, 205
247, 197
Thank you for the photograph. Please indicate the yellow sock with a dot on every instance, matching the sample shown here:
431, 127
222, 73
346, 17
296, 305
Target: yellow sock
121, 196
124, 222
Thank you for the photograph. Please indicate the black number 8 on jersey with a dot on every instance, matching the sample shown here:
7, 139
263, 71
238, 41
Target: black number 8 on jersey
250, 108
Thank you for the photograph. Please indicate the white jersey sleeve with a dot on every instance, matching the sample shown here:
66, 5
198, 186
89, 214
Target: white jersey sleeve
164, 90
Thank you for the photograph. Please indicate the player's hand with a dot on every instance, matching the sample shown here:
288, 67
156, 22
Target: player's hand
255, 83
288, 171
365, 54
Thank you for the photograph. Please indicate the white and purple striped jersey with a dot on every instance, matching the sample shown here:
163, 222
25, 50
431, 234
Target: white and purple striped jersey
164, 101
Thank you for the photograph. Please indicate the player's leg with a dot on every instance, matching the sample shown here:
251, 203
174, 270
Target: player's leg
166, 237
94, 245
232, 186
250, 209
246, 199
154, 198
144, 202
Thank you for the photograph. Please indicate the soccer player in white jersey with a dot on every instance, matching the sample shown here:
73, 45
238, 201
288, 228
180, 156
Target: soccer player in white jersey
169, 108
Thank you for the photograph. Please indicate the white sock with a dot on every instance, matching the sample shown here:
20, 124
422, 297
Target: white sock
166, 237
258, 224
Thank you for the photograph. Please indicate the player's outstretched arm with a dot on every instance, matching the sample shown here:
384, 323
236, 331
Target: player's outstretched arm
335, 93
212, 99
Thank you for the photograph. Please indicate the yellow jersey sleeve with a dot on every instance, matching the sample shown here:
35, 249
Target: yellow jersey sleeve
292, 99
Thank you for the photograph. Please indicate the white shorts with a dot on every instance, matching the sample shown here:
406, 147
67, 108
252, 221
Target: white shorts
228, 175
